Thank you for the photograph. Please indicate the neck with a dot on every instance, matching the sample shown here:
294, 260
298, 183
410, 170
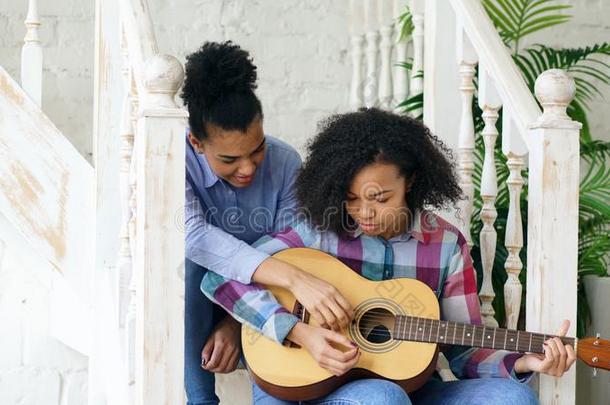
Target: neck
454, 333
399, 228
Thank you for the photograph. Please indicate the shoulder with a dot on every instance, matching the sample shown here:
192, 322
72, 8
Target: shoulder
300, 233
281, 152
436, 229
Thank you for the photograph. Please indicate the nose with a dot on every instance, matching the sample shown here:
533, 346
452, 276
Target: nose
247, 168
367, 212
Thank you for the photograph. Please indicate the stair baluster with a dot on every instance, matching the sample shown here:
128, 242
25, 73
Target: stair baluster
490, 103
31, 55
357, 42
400, 79
417, 80
467, 61
386, 46
514, 149
372, 55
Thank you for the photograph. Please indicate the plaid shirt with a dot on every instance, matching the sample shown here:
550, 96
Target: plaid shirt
432, 251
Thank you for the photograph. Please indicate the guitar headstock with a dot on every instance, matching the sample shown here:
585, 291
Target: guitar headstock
595, 352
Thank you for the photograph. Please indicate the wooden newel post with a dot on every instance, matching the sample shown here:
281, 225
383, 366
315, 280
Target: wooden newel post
159, 149
552, 247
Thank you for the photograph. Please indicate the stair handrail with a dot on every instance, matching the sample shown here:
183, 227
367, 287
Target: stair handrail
494, 54
140, 37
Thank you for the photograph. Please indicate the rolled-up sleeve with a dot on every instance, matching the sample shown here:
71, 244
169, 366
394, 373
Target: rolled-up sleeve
215, 249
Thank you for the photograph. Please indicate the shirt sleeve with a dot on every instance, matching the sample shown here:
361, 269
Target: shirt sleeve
460, 303
215, 249
288, 203
252, 304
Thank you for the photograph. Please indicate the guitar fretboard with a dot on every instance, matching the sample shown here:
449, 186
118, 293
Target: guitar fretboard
454, 333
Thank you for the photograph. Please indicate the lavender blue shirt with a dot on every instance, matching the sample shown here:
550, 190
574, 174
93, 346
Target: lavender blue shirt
222, 221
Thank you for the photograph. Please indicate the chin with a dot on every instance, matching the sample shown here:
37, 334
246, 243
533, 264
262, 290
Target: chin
240, 185
371, 232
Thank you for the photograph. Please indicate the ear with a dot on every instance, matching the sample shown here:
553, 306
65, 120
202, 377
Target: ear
196, 143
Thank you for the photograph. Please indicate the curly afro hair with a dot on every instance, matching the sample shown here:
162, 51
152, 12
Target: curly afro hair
219, 88
346, 143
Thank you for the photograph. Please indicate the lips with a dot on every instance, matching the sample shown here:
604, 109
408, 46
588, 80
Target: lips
368, 227
244, 179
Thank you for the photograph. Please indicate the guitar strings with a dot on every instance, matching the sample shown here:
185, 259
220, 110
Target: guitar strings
382, 315
521, 347
371, 321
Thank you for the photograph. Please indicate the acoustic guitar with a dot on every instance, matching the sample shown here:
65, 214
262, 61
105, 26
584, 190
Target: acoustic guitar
397, 327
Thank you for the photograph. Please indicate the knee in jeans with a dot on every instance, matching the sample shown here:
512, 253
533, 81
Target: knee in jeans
516, 393
527, 395
389, 393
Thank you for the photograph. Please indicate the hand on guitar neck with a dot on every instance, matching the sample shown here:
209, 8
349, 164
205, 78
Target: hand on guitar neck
556, 360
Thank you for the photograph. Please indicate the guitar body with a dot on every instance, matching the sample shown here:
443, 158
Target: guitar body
290, 373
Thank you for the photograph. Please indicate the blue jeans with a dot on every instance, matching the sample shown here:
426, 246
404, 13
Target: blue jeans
478, 391
481, 391
359, 392
200, 317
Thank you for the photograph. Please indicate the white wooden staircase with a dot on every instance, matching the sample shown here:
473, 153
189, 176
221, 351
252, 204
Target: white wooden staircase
119, 297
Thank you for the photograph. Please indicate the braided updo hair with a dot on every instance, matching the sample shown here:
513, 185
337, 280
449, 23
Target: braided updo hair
219, 88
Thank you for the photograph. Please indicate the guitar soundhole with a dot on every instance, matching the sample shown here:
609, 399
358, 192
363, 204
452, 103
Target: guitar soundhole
375, 325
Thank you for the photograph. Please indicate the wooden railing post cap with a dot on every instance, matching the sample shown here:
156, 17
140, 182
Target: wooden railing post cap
163, 76
555, 90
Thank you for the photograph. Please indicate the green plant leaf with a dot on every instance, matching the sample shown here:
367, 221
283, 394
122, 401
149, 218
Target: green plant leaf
584, 64
515, 19
406, 23
413, 104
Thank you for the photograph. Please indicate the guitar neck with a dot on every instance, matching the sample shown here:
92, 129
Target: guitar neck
462, 334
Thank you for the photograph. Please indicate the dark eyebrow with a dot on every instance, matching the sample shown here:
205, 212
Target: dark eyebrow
237, 157
373, 195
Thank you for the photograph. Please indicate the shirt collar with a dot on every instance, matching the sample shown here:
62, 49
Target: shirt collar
209, 177
422, 220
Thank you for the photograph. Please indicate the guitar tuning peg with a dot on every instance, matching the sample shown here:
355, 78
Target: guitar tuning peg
597, 335
594, 372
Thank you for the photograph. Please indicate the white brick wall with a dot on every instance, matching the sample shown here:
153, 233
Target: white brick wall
300, 48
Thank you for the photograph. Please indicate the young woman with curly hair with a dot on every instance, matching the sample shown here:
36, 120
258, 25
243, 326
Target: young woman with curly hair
365, 192
234, 174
